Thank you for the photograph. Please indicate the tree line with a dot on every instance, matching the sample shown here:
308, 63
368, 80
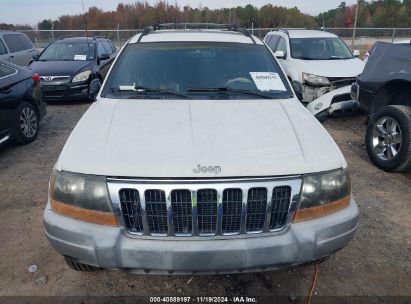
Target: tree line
382, 13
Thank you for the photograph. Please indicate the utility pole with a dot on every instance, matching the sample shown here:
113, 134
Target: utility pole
355, 25
118, 35
52, 31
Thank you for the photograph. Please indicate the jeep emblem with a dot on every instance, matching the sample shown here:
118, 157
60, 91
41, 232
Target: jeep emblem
210, 169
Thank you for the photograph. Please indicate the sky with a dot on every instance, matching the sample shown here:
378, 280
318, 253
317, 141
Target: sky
37, 10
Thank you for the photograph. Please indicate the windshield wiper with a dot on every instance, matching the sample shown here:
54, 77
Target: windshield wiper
337, 58
307, 58
228, 90
145, 90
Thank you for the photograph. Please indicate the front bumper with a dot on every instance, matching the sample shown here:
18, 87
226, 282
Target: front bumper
62, 92
109, 247
333, 101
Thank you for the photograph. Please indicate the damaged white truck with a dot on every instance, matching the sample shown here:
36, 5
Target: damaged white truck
320, 66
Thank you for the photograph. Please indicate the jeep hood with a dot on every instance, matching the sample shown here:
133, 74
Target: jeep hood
331, 68
170, 138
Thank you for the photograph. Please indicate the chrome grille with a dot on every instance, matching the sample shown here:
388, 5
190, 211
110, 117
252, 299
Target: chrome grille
156, 210
280, 204
207, 211
181, 211
256, 209
204, 208
232, 208
131, 207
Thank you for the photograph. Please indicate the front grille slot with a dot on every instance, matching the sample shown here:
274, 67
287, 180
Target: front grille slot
212, 209
280, 204
207, 211
181, 211
232, 208
49, 88
131, 208
256, 209
156, 210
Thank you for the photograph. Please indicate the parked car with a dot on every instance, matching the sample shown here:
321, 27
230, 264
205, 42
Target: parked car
321, 64
197, 157
21, 104
16, 47
74, 68
384, 90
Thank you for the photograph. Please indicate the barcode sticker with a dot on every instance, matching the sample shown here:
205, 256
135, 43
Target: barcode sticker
268, 81
80, 57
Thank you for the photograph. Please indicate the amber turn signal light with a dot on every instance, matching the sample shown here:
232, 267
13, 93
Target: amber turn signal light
312, 213
85, 215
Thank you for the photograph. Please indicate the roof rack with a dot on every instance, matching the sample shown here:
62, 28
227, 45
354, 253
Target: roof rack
192, 25
243, 31
228, 27
284, 31
147, 31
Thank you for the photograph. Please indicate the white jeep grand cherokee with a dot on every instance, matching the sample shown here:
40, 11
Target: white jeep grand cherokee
198, 158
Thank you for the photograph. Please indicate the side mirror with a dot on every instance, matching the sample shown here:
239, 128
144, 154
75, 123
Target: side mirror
279, 54
356, 53
103, 57
36, 57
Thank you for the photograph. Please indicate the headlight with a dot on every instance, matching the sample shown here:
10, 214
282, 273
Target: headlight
83, 76
315, 80
80, 196
324, 194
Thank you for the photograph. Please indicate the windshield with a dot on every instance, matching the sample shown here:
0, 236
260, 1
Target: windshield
325, 48
196, 70
68, 52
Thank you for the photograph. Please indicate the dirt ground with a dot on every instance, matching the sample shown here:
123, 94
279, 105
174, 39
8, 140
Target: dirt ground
376, 263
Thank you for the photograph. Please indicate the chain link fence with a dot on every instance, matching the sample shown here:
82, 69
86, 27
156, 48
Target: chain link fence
363, 39
42, 38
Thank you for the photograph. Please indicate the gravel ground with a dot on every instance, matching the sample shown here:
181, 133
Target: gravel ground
375, 263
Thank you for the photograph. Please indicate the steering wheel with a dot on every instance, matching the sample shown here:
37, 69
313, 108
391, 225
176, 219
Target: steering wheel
239, 79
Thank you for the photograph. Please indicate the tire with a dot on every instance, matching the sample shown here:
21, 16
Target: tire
388, 138
74, 265
27, 123
93, 89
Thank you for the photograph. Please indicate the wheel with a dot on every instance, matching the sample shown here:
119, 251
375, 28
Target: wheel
27, 127
388, 138
74, 265
94, 88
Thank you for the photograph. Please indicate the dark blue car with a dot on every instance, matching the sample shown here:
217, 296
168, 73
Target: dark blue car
74, 68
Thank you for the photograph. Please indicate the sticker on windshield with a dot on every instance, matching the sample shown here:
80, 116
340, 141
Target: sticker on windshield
268, 81
80, 57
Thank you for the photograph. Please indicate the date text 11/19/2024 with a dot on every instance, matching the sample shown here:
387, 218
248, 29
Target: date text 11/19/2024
203, 299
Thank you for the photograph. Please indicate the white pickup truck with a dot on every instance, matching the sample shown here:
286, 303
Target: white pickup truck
197, 157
